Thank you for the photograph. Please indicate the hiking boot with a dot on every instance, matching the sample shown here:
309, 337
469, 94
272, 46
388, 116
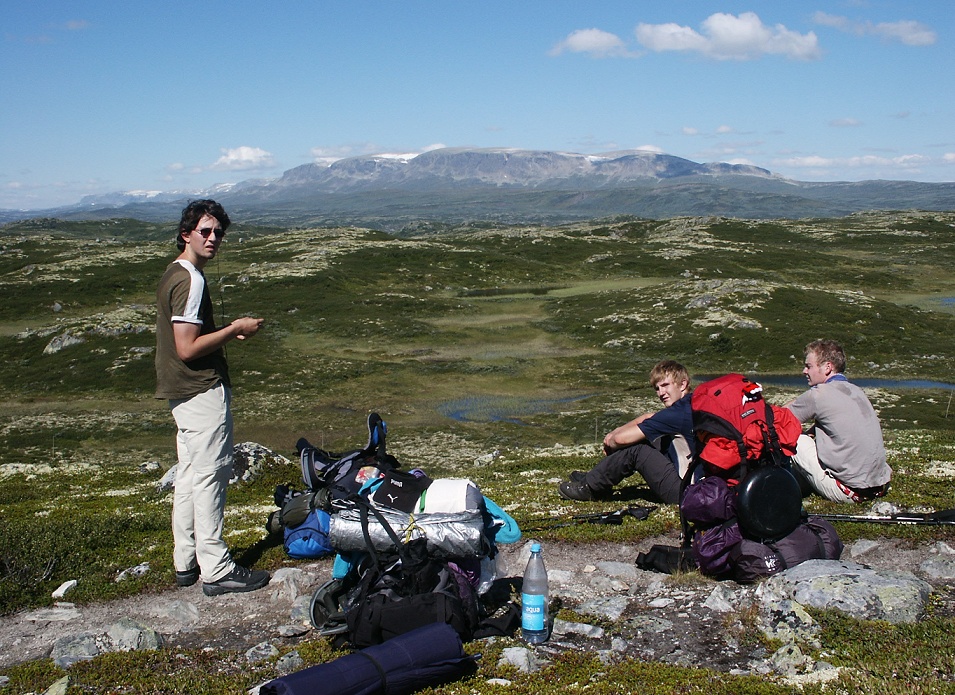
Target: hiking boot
578, 476
238, 580
580, 492
187, 578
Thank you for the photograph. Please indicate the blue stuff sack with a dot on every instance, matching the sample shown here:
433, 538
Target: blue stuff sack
310, 538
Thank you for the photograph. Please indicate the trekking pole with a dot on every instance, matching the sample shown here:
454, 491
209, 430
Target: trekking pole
613, 518
942, 518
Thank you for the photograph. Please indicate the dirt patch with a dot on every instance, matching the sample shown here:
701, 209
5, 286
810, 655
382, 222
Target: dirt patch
663, 619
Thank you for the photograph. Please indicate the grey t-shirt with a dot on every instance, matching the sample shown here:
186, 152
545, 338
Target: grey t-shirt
848, 433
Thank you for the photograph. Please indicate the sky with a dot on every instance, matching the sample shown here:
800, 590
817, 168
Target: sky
104, 96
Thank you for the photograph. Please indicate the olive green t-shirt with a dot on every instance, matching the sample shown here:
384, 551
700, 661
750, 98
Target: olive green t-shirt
184, 296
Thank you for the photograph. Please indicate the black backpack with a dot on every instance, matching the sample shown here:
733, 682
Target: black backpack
395, 592
345, 474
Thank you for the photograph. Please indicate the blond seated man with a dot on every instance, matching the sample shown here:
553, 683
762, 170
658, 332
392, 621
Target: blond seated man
658, 446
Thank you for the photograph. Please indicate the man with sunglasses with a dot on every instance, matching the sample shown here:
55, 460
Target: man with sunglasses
192, 374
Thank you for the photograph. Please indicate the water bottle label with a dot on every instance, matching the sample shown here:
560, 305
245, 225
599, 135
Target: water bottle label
533, 611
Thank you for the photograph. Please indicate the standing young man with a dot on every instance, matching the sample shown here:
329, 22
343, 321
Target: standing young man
657, 446
844, 458
192, 374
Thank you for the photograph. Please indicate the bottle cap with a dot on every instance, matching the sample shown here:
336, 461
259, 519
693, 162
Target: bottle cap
535, 547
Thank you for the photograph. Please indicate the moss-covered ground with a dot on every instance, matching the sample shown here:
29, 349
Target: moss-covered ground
519, 346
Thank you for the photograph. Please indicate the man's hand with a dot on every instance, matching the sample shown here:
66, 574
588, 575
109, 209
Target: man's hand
246, 327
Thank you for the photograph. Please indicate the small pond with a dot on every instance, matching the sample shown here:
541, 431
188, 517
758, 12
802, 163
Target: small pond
501, 408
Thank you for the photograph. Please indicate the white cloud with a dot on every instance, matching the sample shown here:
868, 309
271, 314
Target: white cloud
596, 42
243, 159
724, 129
845, 123
728, 37
905, 162
77, 25
687, 130
906, 31
949, 157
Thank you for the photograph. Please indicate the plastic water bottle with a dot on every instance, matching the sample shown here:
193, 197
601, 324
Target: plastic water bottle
534, 599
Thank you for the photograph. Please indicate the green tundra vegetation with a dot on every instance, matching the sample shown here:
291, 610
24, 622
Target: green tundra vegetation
515, 346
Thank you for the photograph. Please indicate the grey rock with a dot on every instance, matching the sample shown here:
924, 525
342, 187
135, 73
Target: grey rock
168, 481
261, 652
619, 570
62, 341
788, 622
562, 578
600, 584
292, 630
183, 612
564, 627
720, 599
64, 588
72, 648
897, 597
130, 572
940, 567
128, 635
53, 615
662, 602
289, 583
58, 688
250, 459
289, 663
521, 658
862, 547
944, 548
789, 660
611, 607
301, 610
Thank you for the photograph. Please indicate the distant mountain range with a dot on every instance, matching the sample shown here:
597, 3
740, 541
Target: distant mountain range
454, 185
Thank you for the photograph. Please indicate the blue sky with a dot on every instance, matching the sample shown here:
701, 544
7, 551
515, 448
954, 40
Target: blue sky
111, 96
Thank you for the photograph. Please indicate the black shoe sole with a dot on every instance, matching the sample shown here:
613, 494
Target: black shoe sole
215, 590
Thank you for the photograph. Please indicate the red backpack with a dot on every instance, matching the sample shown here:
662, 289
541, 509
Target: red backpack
736, 429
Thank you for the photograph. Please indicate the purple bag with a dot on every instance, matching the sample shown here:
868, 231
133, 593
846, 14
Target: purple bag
713, 548
813, 539
708, 502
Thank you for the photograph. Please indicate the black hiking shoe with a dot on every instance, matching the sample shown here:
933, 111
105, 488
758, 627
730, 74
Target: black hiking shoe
238, 580
187, 578
580, 492
578, 476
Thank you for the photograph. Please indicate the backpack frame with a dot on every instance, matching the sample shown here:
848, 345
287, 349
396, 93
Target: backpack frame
344, 474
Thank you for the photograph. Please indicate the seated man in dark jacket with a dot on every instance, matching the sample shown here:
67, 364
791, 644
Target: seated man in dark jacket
657, 446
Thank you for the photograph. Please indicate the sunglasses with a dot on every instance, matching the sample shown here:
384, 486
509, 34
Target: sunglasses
204, 232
